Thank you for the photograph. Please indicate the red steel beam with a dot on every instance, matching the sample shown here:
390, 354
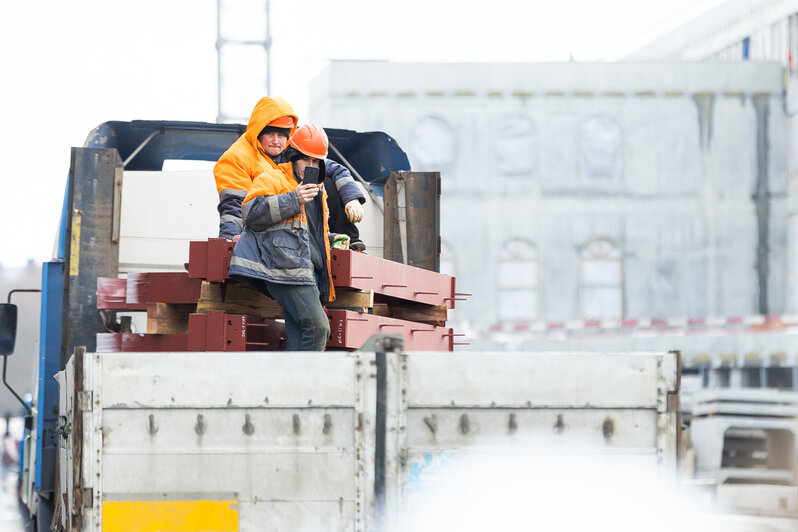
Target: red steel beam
218, 331
118, 342
139, 289
210, 259
351, 269
162, 287
350, 330
112, 295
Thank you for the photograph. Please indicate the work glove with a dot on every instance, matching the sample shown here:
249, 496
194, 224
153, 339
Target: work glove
354, 211
340, 242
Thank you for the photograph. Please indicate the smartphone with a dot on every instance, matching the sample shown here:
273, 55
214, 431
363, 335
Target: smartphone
310, 175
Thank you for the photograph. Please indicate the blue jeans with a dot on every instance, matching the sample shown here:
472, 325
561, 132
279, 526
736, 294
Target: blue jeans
306, 324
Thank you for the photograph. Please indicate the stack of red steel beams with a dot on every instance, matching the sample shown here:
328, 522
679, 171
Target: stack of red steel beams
390, 282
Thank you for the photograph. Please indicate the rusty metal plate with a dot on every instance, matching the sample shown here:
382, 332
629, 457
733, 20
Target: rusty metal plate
412, 219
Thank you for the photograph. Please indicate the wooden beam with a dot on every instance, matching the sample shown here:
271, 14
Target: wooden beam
358, 300
167, 318
238, 298
432, 314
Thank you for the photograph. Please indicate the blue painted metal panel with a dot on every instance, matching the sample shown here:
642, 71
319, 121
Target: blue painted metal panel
49, 362
60, 252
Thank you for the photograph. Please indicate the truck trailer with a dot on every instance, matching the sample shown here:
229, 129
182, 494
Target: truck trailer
354, 440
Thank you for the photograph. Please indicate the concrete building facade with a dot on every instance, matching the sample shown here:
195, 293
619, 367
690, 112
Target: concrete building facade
578, 191
747, 31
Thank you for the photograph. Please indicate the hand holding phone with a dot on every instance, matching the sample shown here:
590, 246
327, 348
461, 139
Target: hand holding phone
310, 176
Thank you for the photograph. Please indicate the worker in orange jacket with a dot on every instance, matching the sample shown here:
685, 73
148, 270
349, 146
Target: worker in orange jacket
272, 122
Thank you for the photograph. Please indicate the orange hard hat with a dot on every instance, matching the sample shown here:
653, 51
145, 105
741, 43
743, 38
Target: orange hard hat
283, 121
311, 140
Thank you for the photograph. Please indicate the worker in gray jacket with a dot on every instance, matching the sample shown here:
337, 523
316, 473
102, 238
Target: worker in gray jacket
284, 249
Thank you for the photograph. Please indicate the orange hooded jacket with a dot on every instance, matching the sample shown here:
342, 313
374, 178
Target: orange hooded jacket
244, 160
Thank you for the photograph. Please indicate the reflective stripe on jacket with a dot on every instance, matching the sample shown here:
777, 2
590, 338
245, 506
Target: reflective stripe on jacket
242, 162
345, 184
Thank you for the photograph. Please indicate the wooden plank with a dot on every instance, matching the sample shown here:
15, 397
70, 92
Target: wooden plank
173, 311
427, 313
358, 300
408, 311
167, 326
166, 318
241, 299
238, 299
210, 291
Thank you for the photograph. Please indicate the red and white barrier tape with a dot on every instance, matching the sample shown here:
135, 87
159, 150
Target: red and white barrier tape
755, 321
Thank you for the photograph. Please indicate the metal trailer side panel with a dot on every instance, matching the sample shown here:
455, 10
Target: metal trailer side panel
528, 380
227, 379
274, 441
484, 418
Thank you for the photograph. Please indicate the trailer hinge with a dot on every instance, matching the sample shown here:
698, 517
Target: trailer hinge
84, 401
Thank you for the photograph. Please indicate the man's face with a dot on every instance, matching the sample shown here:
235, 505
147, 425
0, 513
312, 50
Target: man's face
273, 143
302, 163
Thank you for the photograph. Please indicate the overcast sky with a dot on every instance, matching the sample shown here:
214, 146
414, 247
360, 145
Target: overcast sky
69, 66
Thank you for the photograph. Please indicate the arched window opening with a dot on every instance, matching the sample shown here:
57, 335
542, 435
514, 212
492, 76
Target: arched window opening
602, 280
518, 291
